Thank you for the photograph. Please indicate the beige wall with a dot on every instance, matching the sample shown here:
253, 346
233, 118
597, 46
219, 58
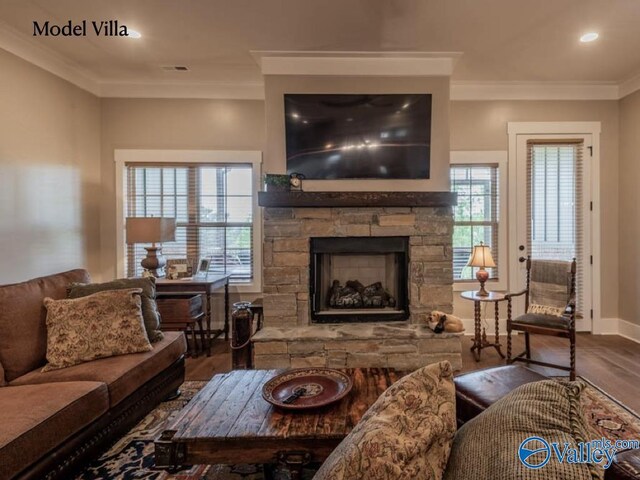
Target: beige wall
49, 173
482, 125
629, 198
275, 158
169, 124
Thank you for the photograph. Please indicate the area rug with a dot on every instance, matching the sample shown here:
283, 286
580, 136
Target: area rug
132, 456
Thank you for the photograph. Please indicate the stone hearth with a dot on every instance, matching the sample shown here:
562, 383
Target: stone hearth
364, 345
290, 340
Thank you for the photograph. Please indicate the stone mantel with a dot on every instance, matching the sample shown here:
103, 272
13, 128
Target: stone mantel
296, 199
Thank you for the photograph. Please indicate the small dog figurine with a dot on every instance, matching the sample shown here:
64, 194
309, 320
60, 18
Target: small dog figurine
444, 322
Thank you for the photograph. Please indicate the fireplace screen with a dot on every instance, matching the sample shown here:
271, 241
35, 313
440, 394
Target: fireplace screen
359, 279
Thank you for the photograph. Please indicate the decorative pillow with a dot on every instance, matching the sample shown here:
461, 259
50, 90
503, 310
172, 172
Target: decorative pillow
406, 434
101, 325
545, 310
149, 308
488, 446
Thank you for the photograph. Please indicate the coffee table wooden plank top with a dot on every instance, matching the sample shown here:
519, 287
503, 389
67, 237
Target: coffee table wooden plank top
228, 421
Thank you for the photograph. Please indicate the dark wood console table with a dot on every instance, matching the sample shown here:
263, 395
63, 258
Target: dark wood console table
206, 287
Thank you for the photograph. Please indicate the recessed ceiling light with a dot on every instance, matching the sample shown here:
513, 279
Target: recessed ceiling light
589, 37
134, 33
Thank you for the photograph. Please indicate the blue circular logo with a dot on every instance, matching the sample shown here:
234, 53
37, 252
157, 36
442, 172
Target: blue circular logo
534, 452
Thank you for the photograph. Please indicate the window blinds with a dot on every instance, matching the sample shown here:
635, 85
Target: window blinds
475, 216
212, 204
554, 204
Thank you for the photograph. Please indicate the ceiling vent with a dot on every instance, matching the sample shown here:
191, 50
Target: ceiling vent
175, 68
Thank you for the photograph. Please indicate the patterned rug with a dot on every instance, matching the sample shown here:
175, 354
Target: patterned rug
132, 456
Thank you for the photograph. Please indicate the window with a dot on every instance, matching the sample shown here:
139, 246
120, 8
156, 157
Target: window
213, 207
476, 216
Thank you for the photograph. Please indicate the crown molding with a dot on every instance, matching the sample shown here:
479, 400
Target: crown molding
388, 64
629, 86
205, 90
467, 90
313, 63
24, 47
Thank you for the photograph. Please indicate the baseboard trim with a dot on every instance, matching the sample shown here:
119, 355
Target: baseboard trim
606, 326
629, 330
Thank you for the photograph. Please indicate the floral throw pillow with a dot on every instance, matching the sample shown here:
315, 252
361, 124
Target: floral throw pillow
406, 434
101, 325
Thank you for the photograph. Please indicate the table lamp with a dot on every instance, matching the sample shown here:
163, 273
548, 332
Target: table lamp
481, 258
152, 230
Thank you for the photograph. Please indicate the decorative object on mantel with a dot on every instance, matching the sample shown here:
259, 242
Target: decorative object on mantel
481, 258
289, 199
307, 388
277, 182
151, 230
295, 180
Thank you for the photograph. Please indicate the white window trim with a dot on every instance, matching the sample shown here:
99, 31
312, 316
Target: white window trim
500, 158
599, 325
122, 157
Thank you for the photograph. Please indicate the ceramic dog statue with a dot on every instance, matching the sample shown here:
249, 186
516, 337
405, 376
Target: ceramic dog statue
444, 322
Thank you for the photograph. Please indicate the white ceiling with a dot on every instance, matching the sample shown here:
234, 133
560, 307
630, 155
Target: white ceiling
500, 40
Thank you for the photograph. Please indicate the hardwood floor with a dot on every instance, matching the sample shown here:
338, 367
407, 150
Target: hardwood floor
609, 361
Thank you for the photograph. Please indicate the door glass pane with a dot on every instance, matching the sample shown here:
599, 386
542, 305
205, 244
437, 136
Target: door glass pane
554, 190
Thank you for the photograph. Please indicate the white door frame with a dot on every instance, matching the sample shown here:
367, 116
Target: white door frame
514, 129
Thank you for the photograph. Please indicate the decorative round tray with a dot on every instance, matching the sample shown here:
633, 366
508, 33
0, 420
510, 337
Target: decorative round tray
306, 388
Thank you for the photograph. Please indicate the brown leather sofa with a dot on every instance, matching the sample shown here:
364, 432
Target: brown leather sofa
476, 391
50, 423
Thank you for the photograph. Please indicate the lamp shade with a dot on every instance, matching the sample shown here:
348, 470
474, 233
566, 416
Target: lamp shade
481, 257
150, 229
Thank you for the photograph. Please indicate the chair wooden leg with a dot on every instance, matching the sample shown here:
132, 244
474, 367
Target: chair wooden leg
509, 361
527, 345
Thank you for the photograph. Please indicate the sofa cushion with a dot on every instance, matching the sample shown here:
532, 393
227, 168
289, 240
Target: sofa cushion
3, 382
101, 325
37, 418
23, 331
122, 374
488, 446
406, 434
149, 308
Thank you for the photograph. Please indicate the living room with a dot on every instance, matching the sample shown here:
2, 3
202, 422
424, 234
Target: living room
469, 147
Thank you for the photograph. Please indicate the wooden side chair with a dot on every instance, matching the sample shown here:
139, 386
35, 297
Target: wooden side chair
550, 309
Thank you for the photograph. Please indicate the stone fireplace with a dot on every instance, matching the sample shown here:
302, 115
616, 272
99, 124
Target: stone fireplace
399, 240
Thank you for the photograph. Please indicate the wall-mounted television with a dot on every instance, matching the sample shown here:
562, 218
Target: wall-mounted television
351, 136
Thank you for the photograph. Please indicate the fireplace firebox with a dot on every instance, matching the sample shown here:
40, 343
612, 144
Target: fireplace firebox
359, 279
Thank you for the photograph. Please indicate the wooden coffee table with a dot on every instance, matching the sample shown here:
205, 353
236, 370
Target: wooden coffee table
228, 422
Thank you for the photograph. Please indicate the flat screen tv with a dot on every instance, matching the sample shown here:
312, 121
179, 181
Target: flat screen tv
338, 136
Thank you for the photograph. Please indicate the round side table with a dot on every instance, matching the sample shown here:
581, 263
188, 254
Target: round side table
480, 340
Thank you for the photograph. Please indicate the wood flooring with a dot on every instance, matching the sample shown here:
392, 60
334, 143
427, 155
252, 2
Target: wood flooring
609, 361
